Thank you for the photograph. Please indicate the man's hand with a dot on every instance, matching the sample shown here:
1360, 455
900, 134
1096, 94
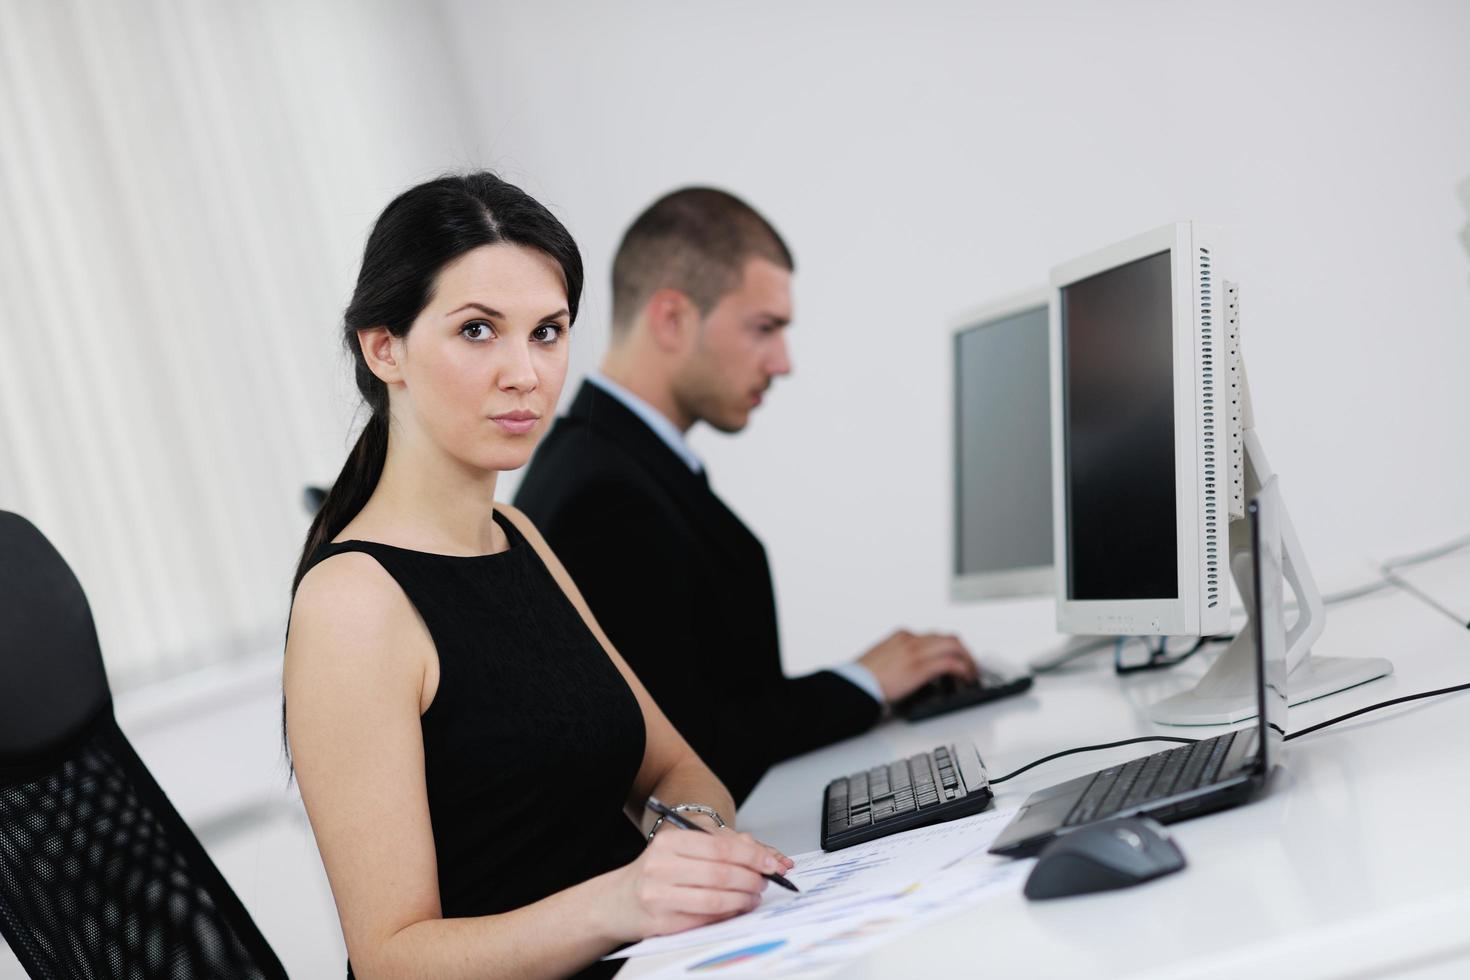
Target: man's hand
906, 661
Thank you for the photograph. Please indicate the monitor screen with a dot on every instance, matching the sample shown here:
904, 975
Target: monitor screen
1118, 414
1003, 445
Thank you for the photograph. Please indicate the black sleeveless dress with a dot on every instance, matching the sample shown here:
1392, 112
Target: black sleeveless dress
533, 739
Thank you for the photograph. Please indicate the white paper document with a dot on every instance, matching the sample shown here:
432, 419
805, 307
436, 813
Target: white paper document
897, 876
820, 949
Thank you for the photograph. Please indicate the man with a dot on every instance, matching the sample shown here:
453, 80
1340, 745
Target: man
701, 300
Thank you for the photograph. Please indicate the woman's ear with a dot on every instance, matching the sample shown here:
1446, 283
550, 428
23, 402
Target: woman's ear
382, 351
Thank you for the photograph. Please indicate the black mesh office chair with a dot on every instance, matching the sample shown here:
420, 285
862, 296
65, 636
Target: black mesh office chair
99, 876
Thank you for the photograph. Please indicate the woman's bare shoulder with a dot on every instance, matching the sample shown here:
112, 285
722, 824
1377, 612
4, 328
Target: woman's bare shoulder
346, 585
349, 608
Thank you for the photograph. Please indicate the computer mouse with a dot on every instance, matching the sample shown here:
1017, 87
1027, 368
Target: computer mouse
1110, 854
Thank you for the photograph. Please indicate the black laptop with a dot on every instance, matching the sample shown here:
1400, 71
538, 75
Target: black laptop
1194, 779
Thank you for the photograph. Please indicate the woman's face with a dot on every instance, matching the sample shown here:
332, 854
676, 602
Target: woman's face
482, 367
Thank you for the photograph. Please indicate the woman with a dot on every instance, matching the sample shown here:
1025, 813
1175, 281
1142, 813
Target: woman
471, 750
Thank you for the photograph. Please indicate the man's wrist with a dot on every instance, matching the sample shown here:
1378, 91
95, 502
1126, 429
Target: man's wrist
862, 678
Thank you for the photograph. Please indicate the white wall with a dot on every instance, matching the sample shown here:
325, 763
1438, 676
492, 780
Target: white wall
925, 158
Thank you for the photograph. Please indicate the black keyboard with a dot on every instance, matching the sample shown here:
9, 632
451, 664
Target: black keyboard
1151, 778
947, 694
926, 788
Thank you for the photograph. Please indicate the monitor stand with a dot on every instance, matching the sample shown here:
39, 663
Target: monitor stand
1226, 694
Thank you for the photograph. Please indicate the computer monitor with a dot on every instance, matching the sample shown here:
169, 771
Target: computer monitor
1140, 439
1001, 444
1154, 444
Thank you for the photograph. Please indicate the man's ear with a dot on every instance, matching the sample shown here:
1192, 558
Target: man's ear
672, 319
381, 350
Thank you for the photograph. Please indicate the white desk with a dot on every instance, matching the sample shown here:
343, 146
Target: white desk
1356, 862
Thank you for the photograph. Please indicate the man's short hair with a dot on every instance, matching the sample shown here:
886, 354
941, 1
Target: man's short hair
696, 240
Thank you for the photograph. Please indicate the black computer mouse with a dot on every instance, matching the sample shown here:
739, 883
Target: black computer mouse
1110, 854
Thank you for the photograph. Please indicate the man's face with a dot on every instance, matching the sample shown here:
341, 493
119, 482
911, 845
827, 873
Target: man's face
740, 349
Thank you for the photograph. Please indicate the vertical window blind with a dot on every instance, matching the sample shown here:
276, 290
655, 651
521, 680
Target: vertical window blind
185, 189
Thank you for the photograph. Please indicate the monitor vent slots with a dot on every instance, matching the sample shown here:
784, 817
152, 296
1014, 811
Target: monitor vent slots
1232, 361
1208, 442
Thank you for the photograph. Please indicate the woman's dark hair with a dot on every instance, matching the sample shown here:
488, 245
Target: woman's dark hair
423, 230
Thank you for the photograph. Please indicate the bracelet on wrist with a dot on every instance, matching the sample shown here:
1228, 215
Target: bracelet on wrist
699, 808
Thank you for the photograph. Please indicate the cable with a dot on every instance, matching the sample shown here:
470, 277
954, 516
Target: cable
1389, 580
1429, 554
1389, 570
1092, 748
1174, 738
1356, 592
1157, 659
1056, 661
1424, 597
1375, 707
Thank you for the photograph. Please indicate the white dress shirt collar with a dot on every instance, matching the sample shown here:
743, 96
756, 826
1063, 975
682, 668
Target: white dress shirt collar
652, 417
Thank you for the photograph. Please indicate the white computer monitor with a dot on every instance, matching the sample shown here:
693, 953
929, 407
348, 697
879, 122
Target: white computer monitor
1000, 507
1155, 451
1139, 438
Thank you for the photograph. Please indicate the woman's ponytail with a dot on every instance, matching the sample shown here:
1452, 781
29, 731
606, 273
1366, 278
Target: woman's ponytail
354, 485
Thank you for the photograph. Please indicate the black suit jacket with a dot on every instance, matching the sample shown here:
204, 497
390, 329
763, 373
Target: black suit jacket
683, 590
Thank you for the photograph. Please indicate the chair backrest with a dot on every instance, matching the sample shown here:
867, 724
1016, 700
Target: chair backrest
99, 876
312, 498
51, 678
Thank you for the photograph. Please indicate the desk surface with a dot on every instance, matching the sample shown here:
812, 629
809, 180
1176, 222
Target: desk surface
1355, 862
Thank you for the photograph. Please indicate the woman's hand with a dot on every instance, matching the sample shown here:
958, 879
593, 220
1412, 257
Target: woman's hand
685, 879
786, 863
708, 823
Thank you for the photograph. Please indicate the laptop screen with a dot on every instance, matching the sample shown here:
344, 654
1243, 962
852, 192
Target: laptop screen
1269, 620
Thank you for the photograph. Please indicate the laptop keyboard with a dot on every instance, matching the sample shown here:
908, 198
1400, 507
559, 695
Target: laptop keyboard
926, 788
1150, 778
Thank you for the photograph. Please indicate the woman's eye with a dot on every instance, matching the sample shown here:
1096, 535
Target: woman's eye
476, 330
547, 333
